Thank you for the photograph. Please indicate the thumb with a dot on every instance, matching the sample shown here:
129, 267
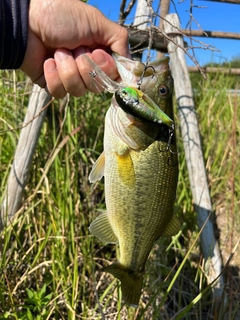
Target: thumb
118, 40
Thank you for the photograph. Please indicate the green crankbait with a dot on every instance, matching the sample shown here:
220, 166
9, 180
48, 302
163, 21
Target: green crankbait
138, 104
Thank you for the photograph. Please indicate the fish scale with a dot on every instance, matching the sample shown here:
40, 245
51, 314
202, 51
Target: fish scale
140, 167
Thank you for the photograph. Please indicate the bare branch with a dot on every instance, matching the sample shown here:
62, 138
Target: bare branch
211, 34
184, 49
227, 1
124, 13
150, 29
215, 70
139, 39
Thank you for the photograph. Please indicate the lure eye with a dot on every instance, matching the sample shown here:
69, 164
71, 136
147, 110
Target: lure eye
124, 93
163, 90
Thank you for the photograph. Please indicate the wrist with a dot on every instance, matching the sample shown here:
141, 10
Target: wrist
14, 30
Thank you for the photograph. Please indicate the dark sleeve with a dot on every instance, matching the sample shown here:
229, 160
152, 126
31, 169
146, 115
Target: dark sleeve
13, 32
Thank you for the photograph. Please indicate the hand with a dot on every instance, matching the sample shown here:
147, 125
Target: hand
60, 32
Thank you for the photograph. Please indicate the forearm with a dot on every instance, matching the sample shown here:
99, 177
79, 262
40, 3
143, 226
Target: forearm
13, 32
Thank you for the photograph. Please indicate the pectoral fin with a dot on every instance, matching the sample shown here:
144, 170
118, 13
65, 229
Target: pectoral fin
98, 169
126, 171
172, 228
102, 229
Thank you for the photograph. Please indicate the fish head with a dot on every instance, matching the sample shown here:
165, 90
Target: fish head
153, 79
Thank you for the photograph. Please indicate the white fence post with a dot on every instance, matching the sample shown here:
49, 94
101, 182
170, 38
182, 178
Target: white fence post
24, 153
194, 155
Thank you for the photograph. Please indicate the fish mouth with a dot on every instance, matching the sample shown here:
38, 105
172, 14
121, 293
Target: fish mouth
130, 70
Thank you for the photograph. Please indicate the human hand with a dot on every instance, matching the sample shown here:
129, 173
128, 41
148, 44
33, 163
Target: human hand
60, 32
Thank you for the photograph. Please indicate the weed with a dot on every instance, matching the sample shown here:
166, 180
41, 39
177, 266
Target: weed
49, 268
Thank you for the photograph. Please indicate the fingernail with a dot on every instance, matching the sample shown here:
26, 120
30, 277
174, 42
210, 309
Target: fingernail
60, 55
50, 65
99, 58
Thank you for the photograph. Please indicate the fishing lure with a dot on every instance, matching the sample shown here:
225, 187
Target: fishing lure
138, 104
132, 100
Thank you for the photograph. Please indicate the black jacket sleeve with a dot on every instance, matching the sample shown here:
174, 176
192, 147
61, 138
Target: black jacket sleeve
13, 32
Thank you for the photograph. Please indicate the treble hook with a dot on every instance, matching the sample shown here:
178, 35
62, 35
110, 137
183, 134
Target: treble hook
171, 133
143, 74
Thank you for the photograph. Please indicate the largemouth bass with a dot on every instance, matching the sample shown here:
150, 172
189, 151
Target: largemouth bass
140, 166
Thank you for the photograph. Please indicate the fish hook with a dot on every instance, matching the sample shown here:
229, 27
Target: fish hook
171, 133
143, 74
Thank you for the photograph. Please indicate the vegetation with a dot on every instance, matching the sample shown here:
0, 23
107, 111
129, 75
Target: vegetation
49, 267
234, 63
231, 80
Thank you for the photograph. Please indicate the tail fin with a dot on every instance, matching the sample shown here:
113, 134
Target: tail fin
131, 283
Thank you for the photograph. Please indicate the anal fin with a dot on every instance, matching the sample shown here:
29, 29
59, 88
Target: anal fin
101, 228
173, 227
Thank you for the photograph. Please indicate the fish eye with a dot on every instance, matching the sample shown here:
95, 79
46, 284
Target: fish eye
163, 90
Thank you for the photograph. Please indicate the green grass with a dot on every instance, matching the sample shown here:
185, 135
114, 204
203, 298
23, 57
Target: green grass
49, 268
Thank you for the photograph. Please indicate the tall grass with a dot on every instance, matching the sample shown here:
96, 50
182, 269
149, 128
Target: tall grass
49, 268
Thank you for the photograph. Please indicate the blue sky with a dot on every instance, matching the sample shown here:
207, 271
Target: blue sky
213, 17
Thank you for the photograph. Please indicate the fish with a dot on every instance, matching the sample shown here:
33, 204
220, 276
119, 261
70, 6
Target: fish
140, 168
